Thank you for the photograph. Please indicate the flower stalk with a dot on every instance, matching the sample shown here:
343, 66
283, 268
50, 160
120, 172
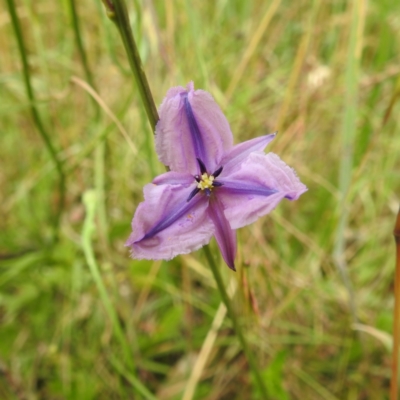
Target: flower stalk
117, 12
236, 325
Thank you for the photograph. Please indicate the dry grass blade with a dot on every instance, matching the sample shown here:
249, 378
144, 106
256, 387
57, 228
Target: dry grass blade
84, 85
250, 50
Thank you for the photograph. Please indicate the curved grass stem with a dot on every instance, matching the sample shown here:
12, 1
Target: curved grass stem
35, 113
235, 322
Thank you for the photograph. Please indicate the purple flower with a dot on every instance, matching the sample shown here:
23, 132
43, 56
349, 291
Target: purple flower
212, 187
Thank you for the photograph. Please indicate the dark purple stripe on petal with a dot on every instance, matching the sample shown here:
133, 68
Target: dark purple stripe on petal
235, 187
171, 217
197, 139
226, 237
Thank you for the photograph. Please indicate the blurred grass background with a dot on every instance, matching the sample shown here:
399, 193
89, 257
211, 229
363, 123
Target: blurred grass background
315, 278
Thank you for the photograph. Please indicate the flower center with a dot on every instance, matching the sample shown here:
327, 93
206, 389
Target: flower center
205, 182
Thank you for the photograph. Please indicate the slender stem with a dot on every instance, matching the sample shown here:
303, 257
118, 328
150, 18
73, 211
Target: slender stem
118, 13
35, 114
396, 316
236, 326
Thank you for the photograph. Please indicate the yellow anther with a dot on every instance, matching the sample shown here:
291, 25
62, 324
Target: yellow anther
206, 182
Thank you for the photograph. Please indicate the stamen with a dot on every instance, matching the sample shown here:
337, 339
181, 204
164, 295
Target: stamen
193, 193
204, 181
202, 167
217, 172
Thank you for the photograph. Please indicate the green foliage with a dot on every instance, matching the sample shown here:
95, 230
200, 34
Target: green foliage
80, 320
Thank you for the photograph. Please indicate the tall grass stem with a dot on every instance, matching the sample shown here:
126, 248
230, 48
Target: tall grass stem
36, 116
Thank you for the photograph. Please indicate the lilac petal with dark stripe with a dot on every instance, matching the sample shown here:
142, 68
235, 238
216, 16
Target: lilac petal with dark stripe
217, 184
191, 126
166, 225
256, 187
171, 217
197, 138
225, 236
244, 188
174, 178
234, 157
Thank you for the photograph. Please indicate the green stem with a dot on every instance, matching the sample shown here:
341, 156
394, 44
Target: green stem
35, 114
236, 326
117, 12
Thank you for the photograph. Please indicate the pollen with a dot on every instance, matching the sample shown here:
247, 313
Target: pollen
206, 182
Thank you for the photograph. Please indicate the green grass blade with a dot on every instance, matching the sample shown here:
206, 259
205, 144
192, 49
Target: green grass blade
35, 113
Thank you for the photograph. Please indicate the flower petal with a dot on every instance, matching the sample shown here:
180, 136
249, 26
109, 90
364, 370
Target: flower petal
174, 178
191, 126
247, 188
225, 236
240, 151
256, 188
165, 224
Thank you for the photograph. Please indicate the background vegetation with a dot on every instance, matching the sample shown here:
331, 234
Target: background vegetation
315, 278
